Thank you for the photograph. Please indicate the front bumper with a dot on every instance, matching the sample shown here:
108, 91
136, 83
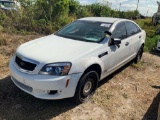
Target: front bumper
41, 85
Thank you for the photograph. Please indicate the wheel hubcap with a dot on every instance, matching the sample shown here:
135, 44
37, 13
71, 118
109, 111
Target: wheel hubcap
87, 87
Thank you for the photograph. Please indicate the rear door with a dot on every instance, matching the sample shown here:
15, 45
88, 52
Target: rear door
134, 38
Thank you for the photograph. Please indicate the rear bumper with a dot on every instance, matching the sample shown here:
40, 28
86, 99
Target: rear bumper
41, 86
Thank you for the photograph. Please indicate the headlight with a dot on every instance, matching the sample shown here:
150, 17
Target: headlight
58, 69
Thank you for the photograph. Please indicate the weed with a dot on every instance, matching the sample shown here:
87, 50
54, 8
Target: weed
108, 96
125, 95
138, 65
3, 42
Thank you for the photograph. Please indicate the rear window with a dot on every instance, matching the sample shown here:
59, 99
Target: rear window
131, 28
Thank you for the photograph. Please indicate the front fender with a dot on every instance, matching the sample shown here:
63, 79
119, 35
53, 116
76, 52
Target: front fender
86, 63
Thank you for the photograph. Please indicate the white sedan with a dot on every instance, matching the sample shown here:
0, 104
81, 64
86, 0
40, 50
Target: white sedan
71, 62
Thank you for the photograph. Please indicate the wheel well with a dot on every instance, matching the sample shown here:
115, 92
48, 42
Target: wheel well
142, 46
94, 67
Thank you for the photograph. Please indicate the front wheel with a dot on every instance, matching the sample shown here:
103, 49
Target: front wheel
139, 55
86, 87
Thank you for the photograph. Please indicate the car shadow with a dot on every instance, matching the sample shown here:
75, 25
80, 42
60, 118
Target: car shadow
16, 104
155, 52
152, 112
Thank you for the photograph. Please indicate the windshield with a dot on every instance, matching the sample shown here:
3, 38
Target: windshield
85, 31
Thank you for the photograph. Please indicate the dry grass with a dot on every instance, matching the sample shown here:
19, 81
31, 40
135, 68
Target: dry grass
131, 93
8, 45
3, 42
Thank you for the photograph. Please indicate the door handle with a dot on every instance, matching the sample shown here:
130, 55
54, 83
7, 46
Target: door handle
127, 43
140, 36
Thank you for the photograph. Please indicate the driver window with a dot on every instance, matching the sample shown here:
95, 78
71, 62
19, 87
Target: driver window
120, 31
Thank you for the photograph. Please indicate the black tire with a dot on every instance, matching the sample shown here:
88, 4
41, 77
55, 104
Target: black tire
139, 55
86, 87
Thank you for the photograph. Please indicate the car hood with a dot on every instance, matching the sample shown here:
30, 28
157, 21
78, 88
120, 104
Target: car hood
53, 48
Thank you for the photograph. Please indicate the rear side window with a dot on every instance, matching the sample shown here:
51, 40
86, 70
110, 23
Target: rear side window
131, 28
120, 31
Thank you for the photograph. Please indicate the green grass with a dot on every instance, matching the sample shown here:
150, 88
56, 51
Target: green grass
151, 43
151, 37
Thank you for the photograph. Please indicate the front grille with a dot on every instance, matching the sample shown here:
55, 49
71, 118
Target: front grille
24, 64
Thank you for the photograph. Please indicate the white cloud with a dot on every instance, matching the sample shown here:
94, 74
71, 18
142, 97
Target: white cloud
143, 6
148, 10
113, 1
83, 2
148, 7
131, 6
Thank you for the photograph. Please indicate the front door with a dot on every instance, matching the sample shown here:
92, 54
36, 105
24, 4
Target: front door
119, 54
116, 54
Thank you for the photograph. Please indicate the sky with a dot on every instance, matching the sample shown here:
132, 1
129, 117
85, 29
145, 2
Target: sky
145, 7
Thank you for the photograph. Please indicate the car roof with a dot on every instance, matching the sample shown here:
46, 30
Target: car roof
101, 19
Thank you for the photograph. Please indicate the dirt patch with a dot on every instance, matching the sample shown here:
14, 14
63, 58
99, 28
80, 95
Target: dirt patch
131, 93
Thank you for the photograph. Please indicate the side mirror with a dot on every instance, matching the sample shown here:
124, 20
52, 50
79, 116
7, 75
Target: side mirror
115, 41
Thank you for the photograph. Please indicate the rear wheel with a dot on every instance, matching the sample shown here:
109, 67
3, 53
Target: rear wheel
86, 87
139, 55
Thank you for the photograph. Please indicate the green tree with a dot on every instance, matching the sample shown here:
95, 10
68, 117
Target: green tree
100, 10
51, 9
74, 5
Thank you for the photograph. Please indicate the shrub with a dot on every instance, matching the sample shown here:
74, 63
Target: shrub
150, 43
83, 12
62, 21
